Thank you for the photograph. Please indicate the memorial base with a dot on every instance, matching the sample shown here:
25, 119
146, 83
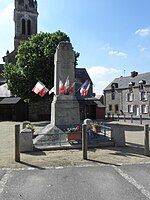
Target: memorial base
65, 111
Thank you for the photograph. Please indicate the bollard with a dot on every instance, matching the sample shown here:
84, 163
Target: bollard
124, 118
131, 118
140, 119
112, 116
17, 143
118, 117
146, 140
84, 141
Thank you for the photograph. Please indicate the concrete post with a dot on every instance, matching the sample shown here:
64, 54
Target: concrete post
140, 119
17, 143
131, 118
118, 117
26, 140
124, 118
146, 140
84, 141
112, 116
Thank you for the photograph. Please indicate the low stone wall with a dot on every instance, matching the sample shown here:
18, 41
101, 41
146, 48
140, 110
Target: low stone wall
119, 129
26, 140
39, 111
118, 135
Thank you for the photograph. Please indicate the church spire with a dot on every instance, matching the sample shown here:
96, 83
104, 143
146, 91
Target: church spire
25, 18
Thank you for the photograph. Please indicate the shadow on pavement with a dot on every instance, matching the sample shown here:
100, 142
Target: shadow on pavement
36, 153
106, 163
30, 165
131, 149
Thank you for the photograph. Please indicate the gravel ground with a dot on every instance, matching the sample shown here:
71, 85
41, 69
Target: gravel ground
133, 152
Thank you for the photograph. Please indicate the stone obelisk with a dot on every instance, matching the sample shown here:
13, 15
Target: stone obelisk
65, 107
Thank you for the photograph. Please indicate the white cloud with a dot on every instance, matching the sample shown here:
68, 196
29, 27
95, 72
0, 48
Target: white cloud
145, 51
101, 76
101, 70
143, 32
142, 49
105, 47
118, 53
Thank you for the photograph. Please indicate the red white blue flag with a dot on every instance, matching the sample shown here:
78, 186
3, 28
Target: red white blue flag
85, 88
61, 87
72, 88
51, 90
38, 87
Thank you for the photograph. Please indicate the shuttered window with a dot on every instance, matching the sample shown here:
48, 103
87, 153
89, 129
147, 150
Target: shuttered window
129, 97
143, 96
144, 109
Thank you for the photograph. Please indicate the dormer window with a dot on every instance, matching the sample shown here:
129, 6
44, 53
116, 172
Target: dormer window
141, 84
113, 87
131, 84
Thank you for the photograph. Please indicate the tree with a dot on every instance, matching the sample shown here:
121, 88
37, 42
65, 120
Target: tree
35, 61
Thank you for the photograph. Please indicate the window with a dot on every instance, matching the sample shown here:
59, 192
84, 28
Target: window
29, 26
130, 108
131, 84
143, 96
130, 88
113, 87
23, 26
113, 95
116, 108
144, 109
141, 84
110, 107
129, 97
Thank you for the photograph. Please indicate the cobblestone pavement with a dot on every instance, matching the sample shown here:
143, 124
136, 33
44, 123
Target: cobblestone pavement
133, 152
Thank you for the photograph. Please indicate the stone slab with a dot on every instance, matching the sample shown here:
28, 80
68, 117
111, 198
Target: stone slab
26, 140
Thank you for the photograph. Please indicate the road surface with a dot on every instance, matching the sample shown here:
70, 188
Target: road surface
98, 182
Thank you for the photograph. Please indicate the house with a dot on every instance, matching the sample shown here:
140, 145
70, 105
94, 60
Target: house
13, 109
2, 80
129, 96
90, 106
4, 92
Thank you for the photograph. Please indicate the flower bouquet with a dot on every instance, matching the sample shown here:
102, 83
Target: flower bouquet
74, 134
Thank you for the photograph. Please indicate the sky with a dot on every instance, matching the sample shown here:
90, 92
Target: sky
112, 36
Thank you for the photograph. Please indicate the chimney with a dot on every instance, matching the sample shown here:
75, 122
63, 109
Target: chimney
134, 73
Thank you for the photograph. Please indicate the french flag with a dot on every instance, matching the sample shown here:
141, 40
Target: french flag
61, 87
38, 87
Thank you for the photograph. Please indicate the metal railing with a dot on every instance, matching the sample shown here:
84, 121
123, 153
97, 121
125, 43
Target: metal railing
72, 138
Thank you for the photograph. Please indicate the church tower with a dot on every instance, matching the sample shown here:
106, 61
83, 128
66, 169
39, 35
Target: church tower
25, 18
